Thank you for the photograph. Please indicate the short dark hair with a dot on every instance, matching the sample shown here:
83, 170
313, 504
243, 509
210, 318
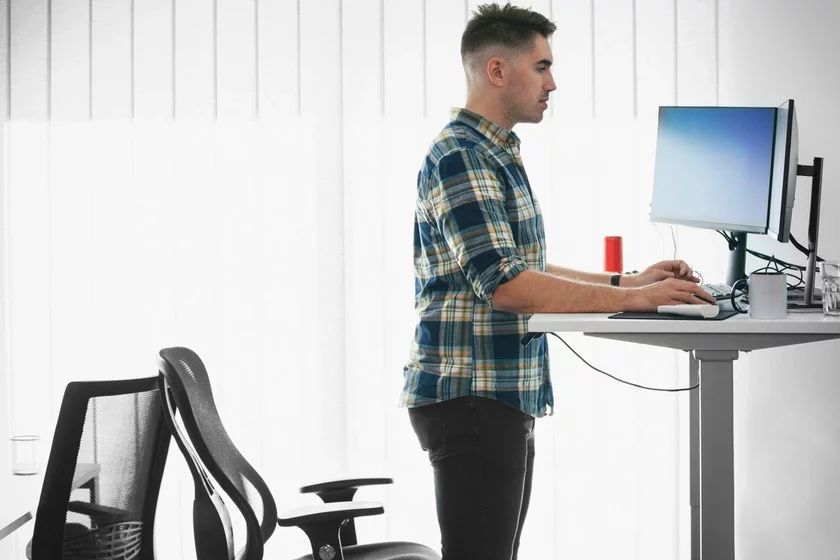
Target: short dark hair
507, 26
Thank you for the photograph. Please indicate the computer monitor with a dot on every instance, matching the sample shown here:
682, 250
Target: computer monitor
714, 167
785, 162
735, 169
713, 170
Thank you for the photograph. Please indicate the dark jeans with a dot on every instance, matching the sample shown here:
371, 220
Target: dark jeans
482, 453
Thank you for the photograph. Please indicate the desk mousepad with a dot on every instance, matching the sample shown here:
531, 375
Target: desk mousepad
723, 314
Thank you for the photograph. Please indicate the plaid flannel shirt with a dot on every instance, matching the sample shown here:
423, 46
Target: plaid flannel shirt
477, 225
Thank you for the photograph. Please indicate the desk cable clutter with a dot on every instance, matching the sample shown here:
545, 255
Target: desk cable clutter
530, 336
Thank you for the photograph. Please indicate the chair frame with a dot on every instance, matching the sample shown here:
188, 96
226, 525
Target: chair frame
47, 540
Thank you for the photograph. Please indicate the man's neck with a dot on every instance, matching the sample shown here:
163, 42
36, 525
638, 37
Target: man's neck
490, 110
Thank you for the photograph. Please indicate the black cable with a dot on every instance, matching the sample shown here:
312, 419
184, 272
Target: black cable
803, 249
759, 255
622, 380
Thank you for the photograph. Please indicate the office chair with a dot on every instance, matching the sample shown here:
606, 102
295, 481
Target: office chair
103, 476
206, 446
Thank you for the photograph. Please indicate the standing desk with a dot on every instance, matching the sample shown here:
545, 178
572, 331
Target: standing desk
713, 347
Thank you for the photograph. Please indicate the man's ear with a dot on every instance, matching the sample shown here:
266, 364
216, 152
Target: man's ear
497, 71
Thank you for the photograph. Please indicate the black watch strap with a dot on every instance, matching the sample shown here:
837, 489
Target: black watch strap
614, 279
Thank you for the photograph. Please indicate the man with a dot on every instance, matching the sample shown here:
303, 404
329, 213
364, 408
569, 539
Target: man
472, 388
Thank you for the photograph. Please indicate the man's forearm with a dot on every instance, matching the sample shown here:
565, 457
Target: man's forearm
536, 292
580, 276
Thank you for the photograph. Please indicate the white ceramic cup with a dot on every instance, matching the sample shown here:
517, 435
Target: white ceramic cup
767, 293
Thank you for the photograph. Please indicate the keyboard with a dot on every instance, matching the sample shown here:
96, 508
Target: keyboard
720, 291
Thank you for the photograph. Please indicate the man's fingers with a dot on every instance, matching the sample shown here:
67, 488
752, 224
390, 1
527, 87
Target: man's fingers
702, 294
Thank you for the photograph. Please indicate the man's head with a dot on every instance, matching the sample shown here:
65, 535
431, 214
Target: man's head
507, 60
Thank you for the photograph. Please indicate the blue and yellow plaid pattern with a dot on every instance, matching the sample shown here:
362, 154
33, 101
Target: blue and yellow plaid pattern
477, 225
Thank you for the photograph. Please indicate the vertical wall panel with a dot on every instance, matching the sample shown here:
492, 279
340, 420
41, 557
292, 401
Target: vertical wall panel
236, 58
400, 164
655, 56
321, 80
361, 54
29, 279
573, 59
446, 85
366, 430
153, 60
195, 60
659, 481
696, 52
5, 57
70, 258
29, 60
614, 59
279, 58
70, 72
110, 319
153, 258
5, 393
111, 59
194, 278
288, 338
239, 278
404, 76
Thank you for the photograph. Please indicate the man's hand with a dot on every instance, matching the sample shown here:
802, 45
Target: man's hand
660, 271
670, 291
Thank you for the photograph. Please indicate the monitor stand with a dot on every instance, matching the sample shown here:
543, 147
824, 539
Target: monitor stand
815, 172
737, 257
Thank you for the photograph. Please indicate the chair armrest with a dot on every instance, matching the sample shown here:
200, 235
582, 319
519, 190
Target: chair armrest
328, 513
322, 523
342, 490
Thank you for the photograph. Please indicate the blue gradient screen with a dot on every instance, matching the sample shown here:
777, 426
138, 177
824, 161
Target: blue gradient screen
713, 167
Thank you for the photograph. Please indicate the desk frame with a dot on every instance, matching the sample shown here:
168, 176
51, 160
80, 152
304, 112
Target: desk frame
713, 347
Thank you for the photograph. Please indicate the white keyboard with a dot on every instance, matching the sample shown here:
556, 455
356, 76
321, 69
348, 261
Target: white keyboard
704, 310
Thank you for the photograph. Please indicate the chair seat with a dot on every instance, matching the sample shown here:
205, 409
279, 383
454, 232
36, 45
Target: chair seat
386, 551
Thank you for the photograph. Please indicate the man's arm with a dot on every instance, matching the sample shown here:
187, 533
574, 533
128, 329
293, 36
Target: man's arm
536, 292
580, 276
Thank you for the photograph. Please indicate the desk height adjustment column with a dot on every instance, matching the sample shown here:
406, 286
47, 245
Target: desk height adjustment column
717, 454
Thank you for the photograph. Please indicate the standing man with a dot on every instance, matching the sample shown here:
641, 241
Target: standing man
472, 388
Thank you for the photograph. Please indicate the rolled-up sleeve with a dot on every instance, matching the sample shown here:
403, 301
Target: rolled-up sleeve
467, 203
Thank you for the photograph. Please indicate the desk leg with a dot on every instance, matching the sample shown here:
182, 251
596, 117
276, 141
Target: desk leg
694, 455
717, 456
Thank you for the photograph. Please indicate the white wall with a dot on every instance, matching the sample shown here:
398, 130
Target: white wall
787, 418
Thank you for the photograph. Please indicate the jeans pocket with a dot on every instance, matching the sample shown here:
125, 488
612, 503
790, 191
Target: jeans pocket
429, 423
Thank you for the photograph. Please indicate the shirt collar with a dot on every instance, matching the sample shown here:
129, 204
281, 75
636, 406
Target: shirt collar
501, 137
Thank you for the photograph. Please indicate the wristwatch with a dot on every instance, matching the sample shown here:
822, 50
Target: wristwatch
614, 279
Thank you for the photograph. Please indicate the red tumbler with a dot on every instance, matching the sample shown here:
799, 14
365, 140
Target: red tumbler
613, 258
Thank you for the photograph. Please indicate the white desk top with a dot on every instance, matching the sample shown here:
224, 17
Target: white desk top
796, 323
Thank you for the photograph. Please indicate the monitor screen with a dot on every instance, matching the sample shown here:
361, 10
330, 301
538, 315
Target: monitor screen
713, 167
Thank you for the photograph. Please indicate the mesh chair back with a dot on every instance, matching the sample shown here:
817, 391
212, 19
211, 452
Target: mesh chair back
185, 380
102, 480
